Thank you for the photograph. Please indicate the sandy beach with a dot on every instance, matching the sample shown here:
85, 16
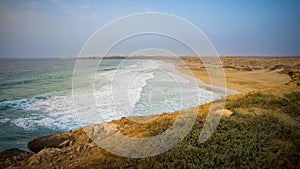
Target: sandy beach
273, 111
245, 74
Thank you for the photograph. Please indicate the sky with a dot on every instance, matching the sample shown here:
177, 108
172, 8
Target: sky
60, 28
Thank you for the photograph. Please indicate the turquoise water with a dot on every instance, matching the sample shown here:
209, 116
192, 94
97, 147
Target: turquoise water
36, 94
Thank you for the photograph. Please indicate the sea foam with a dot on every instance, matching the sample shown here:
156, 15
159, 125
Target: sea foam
146, 87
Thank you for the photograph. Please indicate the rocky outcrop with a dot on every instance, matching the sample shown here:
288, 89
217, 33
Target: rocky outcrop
47, 153
52, 141
13, 157
44, 154
295, 77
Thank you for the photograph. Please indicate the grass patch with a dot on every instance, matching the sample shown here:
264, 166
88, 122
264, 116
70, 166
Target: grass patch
240, 141
289, 104
265, 143
243, 140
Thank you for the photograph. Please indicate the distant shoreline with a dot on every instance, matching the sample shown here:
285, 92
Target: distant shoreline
170, 57
143, 57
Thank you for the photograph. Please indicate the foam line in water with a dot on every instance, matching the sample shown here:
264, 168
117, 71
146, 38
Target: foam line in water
144, 79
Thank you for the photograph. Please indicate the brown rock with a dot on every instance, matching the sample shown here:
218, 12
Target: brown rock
90, 145
47, 153
64, 144
51, 141
13, 152
71, 143
13, 157
78, 148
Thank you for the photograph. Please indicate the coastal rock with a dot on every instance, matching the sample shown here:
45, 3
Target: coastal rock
100, 131
45, 154
11, 153
64, 144
52, 141
13, 157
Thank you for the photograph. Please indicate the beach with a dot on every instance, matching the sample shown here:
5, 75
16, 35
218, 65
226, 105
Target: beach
245, 74
260, 126
149, 84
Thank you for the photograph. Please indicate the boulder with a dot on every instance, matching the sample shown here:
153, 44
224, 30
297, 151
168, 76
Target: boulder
51, 141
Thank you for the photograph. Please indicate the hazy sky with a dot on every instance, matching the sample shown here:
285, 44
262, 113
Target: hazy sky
58, 28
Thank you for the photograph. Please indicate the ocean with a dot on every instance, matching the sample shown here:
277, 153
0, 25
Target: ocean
36, 94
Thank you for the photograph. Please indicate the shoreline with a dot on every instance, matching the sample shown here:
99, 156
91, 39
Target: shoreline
164, 65
69, 148
183, 69
75, 149
242, 73
219, 90
245, 74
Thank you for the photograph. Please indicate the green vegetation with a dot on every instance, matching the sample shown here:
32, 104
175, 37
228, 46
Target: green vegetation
262, 132
289, 104
251, 140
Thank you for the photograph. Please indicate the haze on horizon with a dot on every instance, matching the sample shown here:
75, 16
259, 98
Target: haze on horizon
59, 28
